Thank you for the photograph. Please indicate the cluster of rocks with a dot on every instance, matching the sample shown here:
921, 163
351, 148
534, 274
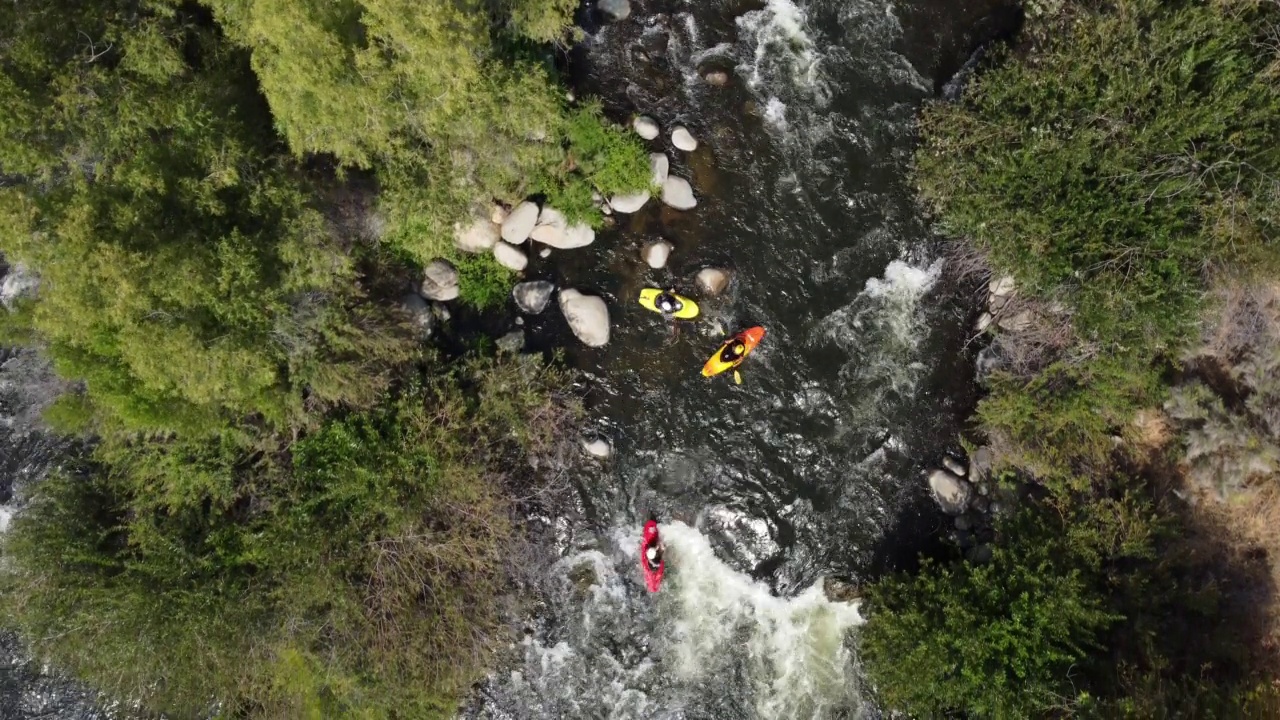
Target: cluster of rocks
967, 492
1001, 312
675, 191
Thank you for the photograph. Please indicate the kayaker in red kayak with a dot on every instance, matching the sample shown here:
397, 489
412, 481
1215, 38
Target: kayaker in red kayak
652, 562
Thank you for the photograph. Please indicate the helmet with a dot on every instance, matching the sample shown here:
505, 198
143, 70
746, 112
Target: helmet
651, 552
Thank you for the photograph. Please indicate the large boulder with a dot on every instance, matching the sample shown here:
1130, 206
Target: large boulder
951, 492
645, 126
683, 139
660, 166
587, 316
615, 10
576, 236
655, 254
480, 236
678, 193
439, 281
713, 281
510, 256
980, 463
532, 297
841, 591
520, 222
551, 227
629, 203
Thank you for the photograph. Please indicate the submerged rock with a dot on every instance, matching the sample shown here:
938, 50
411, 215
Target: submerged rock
439, 281
678, 193
512, 342
713, 281
660, 166
629, 203
716, 78
480, 236
532, 297
656, 254
587, 315
951, 492
839, 590
682, 139
598, 447
520, 223
510, 256
645, 126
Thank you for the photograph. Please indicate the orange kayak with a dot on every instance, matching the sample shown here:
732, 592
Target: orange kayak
725, 359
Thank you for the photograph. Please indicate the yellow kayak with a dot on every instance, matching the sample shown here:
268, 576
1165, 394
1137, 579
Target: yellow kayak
686, 309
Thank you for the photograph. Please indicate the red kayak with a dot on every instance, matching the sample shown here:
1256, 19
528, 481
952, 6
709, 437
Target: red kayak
652, 576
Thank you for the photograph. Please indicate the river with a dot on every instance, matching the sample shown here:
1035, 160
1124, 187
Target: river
813, 467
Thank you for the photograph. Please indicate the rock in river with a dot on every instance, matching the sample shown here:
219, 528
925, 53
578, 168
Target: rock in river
512, 342
683, 139
480, 236
597, 448
587, 315
716, 78
629, 203
713, 281
574, 236
615, 10
439, 281
645, 126
510, 256
954, 465
951, 492
656, 254
532, 297
550, 228
519, 223
660, 166
678, 193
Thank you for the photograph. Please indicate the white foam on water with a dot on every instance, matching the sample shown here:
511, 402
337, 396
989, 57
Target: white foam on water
775, 113
6, 517
784, 52
795, 649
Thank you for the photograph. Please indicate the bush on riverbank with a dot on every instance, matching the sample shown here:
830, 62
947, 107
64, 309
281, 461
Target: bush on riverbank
1118, 164
359, 570
291, 508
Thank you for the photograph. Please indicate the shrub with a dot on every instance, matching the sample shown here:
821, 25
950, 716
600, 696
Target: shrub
1004, 639
359, 571
1129, 152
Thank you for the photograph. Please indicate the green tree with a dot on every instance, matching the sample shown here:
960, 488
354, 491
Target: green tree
187, 274
1134, 152
450, 112
359, 571
1009, 638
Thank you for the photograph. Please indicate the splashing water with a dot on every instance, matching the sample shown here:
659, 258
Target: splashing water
707, 619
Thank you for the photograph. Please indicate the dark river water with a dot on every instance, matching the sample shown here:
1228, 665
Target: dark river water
813, 467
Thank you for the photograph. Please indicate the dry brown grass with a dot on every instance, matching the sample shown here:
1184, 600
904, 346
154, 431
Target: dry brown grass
1247, 527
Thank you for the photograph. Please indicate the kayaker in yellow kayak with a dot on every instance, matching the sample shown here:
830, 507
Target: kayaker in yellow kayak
668, 303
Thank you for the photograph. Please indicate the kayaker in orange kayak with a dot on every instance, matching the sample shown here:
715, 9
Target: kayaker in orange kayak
732, 352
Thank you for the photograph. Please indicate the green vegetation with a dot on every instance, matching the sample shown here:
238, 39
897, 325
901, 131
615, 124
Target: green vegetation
358, 571
1121, 164
289, 506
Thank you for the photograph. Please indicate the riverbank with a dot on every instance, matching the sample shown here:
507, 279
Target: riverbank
1112, 179
299, 479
